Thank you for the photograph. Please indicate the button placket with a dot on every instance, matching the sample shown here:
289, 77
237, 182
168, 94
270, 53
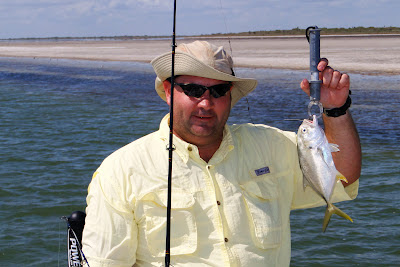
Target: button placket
217, 197
218, 211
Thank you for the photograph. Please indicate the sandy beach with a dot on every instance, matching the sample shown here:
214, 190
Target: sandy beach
367, 54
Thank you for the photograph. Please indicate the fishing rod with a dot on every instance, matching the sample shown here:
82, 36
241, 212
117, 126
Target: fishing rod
313, 37
170, 146
75, 223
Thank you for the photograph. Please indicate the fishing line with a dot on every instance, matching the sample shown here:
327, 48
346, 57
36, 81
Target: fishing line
231, 51
226, 26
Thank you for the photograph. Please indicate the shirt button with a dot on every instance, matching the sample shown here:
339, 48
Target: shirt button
226, 239
190, 148
219, 203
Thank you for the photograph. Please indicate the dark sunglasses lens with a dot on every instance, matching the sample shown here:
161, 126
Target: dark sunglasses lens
220, 89
194, 90
197, 90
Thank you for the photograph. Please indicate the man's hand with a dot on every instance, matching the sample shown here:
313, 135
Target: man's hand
340, 130
335, 86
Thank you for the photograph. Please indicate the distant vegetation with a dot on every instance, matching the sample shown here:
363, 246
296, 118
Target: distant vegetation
324, 31
294, 31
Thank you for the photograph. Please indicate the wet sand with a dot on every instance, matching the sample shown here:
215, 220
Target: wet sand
369, 54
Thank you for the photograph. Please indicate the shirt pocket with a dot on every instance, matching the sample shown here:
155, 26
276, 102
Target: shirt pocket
261, 197
183, 224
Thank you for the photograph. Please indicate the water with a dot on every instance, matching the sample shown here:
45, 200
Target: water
61, 118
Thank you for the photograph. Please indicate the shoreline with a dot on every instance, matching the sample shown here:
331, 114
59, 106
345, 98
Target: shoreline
367, 54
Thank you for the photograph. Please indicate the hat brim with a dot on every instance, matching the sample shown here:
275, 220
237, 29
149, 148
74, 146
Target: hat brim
186, 64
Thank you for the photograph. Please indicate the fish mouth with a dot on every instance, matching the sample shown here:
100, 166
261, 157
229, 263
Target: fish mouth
314, 121
308, 121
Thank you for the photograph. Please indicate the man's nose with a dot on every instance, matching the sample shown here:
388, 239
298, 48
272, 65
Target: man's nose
206, 100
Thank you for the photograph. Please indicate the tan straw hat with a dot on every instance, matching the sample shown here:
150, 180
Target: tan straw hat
202, 59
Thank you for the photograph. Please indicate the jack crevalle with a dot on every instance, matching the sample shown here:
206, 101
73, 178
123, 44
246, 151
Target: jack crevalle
319, 171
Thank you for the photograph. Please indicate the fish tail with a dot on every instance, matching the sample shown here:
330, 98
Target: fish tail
332, 209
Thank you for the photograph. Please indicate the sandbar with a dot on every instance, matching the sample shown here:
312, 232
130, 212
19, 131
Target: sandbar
365, 54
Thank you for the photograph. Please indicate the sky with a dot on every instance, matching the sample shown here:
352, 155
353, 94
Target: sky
90, 18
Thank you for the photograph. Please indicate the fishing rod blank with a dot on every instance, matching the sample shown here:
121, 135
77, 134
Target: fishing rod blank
171, 146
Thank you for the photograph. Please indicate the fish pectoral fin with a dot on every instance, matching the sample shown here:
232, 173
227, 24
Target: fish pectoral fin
341, 177
332, 209
334, 147
325, 155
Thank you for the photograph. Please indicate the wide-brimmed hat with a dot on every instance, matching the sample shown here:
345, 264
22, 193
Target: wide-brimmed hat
202, 59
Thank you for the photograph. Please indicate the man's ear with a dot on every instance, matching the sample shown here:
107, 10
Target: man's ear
167, 90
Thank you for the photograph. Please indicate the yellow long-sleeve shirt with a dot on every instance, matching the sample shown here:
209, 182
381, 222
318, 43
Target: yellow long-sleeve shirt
232, 211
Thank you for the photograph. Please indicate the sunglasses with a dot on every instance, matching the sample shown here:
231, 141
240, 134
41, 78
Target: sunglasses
197, 90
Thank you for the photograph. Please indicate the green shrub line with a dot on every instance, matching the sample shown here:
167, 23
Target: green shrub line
324, 31
292, 32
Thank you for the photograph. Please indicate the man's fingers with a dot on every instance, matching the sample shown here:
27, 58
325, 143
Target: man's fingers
344, 82
327, 76
322, 64
305, 86
336, 76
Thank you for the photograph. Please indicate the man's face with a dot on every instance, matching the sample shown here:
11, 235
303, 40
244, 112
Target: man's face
199, 121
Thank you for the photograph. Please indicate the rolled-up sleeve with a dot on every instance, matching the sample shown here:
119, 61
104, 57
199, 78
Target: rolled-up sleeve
307, 198
110, 232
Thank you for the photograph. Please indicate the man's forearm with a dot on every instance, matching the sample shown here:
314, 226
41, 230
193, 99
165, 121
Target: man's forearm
342, 131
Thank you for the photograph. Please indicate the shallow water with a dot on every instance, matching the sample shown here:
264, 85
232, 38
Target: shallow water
61, 118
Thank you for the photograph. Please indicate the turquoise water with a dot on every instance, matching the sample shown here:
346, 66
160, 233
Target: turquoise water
61, 118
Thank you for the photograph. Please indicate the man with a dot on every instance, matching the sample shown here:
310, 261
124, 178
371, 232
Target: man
232, 186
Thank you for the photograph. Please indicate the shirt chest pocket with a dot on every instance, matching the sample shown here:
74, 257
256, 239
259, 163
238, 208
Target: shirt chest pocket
261, 197
183, 224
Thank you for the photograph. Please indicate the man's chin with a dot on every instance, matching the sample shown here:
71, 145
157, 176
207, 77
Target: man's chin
202, 131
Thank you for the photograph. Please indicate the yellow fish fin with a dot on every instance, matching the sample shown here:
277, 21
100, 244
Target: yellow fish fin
341, 177
331, 209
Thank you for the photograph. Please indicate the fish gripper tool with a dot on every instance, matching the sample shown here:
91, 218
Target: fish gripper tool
315, 106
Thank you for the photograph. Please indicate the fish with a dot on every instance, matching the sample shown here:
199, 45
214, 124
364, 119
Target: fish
316, 163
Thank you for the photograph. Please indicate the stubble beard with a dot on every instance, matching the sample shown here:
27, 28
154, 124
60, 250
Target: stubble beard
201, 133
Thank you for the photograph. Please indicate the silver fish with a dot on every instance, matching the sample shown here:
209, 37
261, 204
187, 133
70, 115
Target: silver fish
319, 171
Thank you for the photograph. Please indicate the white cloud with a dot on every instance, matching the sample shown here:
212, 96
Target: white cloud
154, 17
